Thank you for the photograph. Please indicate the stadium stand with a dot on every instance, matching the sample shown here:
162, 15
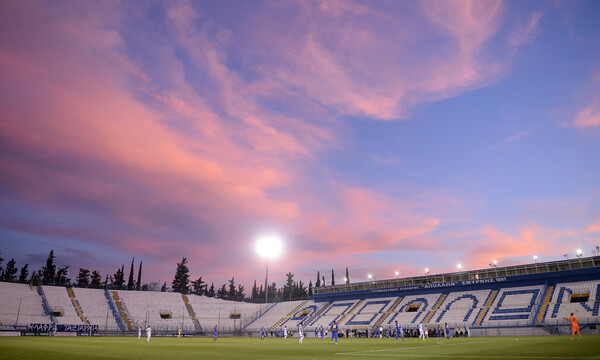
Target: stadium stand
162, 311
230, 316
21, 305
61, 305
288, 313
95, 308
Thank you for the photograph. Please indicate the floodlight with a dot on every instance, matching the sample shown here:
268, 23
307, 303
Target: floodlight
459, 266
579, 252
370, 276
397, 273
426, 271
269, 247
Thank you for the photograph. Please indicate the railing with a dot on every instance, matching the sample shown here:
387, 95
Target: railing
115, 312
45, 305
528, 269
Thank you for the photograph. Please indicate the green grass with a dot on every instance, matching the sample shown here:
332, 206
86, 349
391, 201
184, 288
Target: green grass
496, 348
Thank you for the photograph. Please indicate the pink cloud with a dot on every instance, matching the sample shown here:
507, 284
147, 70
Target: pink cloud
588, 117
330, 58
593, 228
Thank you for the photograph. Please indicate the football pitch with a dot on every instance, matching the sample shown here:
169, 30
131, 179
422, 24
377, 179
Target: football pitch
496, 348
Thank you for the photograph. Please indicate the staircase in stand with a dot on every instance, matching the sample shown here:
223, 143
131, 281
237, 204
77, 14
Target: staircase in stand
435, 307
351, 311
76, 306
544, 307
486, 308
390, 310
122, 310
190, 310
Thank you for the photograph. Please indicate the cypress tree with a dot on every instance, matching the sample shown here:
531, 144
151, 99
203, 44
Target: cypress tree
139, 282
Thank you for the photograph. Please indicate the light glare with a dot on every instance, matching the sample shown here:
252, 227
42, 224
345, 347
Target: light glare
269, 247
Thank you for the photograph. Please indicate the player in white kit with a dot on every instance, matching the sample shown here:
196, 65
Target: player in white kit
139, 332
421, 332
300, 332
285, 333
148, 333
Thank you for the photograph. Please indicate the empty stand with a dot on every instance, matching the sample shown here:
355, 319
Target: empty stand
94, 306
21, 305
61, 305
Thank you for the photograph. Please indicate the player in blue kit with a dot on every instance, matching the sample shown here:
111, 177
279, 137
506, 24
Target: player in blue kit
215, 334
447, 331
262, 333
322, 332
334, 331
399, 331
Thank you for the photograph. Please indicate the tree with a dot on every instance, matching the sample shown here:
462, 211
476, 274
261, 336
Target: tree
10, 273
182, 278
260, 294
318, 283
240, 292
232, 293
1, 260
130, 282
323, 281
96, 279
254, 292
35, 278
152, 286
164, 287
332, 278
199, 286
310, 286
301, 291
119, 278
139, 282
211, 291
24, 273
347, 277
273, 291
49, 271
288, 290
83, 278
222, 292
61, 275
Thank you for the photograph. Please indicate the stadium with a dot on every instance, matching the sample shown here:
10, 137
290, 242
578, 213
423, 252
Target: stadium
441, 152
517, 301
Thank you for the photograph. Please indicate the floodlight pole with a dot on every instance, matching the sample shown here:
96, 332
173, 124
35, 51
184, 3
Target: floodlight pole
267, 281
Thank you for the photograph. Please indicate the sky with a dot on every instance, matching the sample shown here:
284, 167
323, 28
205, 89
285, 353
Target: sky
381, 136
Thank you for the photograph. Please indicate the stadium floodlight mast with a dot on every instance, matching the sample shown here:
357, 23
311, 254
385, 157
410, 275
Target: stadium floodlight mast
459, 267
397, 273
268, 247
579, 253
494, 263
535, 259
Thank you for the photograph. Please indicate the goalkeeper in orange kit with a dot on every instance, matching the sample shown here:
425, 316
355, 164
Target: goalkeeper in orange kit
575, 326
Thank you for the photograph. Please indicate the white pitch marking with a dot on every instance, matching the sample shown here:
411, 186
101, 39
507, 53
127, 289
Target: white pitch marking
408, 348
